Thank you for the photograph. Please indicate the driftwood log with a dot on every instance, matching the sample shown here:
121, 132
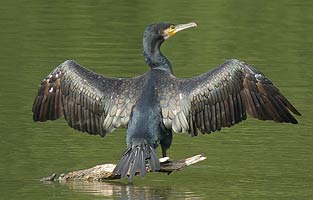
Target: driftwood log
104, 171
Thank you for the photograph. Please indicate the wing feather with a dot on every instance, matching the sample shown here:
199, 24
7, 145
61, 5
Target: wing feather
89, 102
221, 98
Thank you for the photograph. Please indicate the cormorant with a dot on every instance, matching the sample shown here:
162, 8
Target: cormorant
156, 103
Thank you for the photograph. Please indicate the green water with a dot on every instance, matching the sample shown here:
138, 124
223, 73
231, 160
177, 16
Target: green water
253, 160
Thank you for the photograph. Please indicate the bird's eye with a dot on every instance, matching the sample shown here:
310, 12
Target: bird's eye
172, 27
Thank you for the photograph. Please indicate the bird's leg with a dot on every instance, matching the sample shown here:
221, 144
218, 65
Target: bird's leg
163, 150
164, 158
166, 141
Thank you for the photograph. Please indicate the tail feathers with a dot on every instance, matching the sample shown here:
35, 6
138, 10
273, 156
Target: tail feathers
134, 161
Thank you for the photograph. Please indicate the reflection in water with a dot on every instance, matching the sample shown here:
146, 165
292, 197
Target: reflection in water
126, 191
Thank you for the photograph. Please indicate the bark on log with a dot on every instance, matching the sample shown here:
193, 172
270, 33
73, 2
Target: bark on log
104, 171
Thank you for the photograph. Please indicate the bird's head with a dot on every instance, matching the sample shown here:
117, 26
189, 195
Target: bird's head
172, 29
154, 36
162, 31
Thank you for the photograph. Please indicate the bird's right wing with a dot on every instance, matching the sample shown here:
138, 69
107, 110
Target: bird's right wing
89, 102
221, 98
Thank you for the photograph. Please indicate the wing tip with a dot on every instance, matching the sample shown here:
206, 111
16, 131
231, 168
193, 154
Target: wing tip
296, 112
293, 121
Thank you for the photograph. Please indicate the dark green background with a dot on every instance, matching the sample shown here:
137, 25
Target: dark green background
253, 160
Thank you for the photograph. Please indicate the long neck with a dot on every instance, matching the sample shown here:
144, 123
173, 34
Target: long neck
153, 56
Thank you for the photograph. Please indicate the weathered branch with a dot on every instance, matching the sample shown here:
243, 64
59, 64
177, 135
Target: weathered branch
104, 171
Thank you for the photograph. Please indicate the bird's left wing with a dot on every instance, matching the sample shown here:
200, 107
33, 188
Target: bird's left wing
221, 98
90, 102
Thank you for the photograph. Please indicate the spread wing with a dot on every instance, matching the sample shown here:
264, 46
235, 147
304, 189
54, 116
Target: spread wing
221, 98
89, 102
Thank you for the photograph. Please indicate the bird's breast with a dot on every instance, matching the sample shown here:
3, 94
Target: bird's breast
146, 117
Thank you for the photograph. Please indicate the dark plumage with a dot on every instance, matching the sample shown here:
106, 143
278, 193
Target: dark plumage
156, 103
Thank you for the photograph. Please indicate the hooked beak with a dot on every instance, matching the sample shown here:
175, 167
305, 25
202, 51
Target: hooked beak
172, 30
